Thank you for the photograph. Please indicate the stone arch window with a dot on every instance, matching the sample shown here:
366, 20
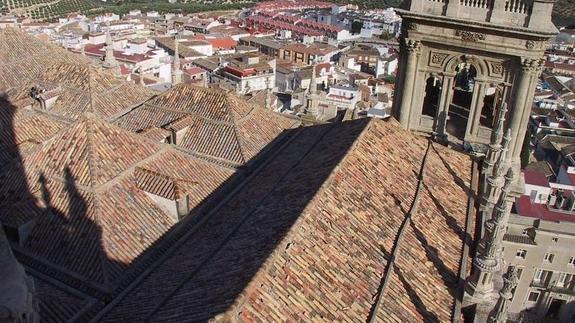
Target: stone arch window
432, 96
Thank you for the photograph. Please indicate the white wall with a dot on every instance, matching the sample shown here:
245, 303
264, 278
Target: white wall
207, 49
538, 194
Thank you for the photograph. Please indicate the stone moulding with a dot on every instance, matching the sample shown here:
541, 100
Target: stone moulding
469, 35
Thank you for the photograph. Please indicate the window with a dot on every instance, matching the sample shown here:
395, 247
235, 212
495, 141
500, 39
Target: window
564, 280
572, 261
541, 276
521, 253
538, 276
533, 296
549, 257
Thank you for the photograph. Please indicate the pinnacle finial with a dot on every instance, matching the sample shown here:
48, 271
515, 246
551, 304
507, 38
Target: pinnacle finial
510, 281
109, 59
506, 139
502, 158
509, 178
108, 38
498, 129
176, 53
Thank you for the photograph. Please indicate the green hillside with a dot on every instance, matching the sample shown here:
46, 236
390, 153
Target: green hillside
563, 13
49, 10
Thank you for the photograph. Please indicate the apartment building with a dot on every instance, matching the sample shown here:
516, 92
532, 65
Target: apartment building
539, 242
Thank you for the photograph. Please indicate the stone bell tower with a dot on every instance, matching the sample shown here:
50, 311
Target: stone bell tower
468, 58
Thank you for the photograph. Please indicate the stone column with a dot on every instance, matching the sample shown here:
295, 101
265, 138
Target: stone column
474, 110
411, 49
481, 88
443, 111
522, 101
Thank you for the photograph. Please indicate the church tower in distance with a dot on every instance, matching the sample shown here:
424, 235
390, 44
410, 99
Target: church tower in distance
461, 60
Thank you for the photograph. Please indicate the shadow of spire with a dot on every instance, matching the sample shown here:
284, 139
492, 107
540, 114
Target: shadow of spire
47, 218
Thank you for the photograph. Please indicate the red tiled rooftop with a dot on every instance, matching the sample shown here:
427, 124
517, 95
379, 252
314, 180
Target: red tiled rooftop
222, 43
194, 70
305, 238
535, 178
524, 207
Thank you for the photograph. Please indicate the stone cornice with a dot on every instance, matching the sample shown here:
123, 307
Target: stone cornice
493, 28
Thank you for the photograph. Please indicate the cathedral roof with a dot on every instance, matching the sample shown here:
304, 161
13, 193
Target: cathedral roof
21, 130
309, 236
214, 123
24, 57
29, 62
83, 188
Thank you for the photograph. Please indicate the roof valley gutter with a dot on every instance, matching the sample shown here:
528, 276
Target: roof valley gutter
399, 238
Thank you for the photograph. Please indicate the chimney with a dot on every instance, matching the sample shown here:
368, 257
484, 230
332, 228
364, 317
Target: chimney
45, 97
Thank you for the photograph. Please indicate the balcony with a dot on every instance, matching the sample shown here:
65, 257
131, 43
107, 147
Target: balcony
569, 290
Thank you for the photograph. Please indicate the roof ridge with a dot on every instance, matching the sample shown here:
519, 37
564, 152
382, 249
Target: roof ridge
89, 123
103, 258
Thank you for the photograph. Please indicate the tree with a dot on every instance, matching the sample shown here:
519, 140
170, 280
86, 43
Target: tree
356, 27
389, 79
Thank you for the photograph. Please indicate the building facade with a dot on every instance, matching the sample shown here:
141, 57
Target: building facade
458, 53
542, 249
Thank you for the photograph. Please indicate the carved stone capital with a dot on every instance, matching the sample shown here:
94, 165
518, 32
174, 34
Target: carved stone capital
532, 64
529, 44
411, 25
470, 35
411, 45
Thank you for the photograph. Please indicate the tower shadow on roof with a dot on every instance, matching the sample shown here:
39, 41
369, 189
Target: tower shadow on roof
47, 218
225, 245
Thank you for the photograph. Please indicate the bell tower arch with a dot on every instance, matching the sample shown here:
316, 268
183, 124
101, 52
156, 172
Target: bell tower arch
461, 59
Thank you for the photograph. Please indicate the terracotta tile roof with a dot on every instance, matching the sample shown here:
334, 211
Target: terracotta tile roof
156, 134
222, 43
87, 88
213, 139
308, 237
515, 238
214, 123
22, 130
159, 184
56, 305
94, 151
24, 57
83, 189
27, 62
196, 178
